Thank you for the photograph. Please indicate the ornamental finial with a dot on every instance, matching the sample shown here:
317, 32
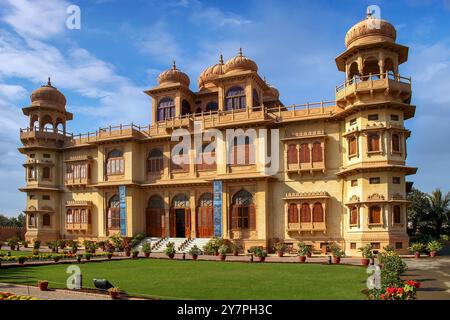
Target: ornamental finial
174, 66
49, 83
221, 59
240, 51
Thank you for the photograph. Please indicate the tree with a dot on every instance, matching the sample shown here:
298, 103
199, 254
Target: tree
417, 212
18, 221
438, 210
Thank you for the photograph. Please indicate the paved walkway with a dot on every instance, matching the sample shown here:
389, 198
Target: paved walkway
433, 274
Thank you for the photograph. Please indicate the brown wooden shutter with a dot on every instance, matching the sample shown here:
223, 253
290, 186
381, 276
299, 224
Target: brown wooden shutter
252, 217
317, 212
172, 223
234, 217
187, 223
292, 154
354, 216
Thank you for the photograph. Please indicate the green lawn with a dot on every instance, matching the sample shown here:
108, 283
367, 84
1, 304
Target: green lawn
207, 279
16, 253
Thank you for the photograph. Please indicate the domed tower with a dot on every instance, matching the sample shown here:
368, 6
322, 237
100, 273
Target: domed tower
42, 142
375, 100
172, 97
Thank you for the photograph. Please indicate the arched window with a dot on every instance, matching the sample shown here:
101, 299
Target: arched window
185, 108
353, 70
374, 215
205, 216
31, 173
293, 213
32, 220
305, 213
318, 212
46, 220
397, 214
47, 124
389, 65
155, 216
373, 142
46, 173
114, 212
292, 154
243, 214
235, 99
371, 66
212, 106
395, 143
352, 145
180, 161
317, 152
208, 158
256, 101
166, 109
69, 216
180, 201
155, 161
354, 216
115, 163
76, 216
304, 153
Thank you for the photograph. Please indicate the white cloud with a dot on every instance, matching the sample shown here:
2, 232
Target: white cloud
39, 19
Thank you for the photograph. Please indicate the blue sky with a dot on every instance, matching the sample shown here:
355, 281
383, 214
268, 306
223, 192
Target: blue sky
123, 45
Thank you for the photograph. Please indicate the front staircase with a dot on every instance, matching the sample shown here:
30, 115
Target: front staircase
182, 245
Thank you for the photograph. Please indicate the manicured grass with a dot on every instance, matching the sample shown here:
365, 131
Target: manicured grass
16, 253
207, 279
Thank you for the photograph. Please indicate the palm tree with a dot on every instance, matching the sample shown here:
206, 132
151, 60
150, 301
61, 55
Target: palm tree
439, 210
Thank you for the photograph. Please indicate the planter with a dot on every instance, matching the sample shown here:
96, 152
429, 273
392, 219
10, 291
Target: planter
309, 254
365, 262
88, 258
135, 255
43, 285
114, 295
56, 259
171, 255
433, 254
109, 256
262, 259
302, 258
280, 254
194, 257
147, 254
417, 255
336, 260
223, 257
128, 253
235, 254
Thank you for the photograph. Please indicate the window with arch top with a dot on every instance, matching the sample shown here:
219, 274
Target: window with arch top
317, 152
374, 215
212, 106
293, 213
243, 214
373, 142
185, 108
166, 109
235, 99
115, 164
114, 212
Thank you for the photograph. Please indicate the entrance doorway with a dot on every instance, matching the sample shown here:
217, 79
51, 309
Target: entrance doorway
205, 216
180, 217
180, 229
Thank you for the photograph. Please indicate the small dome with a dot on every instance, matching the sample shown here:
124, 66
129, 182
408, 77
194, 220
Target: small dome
48, 95
173, 75
211, 73
274, 92
240, 62
367, 31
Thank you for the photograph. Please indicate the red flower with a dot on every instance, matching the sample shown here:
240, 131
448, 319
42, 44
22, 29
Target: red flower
400, 291
413, 283
391, 290
382, 297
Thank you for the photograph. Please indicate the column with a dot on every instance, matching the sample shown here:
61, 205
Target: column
166, 214
192, 206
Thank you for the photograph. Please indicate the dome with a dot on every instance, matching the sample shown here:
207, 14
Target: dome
367, 31
173, 76
211, 73
240, 62
48, 95
274, 92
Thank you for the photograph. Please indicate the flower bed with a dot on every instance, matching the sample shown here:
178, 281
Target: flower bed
47, 257
405, 292
10, 296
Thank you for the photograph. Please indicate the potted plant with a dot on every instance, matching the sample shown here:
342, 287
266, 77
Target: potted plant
223, 249
303, 250
114, 292
280, 248
434, 246
170, 250
36, 244
88, 256
12, 243
43, 285
135, 254
366, 253
261, 254
147, 249
417, 248
126, 247
22, 259
337, 253
79, 257
102, 245
194, 252
56, 257
25, 243
74, 246
235, 248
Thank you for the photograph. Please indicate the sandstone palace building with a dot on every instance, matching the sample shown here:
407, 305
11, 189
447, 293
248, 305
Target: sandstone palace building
341, 178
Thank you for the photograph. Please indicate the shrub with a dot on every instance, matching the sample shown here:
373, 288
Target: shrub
35, 252
280, 247
434, 246
336, 251
117, 240
235, 248
366, 251
260, 253
146, 248
88, 255
13, 242
254, 249
303, 249
89, 246
394, 263
170, 249
417, 247
194, 251
223, 249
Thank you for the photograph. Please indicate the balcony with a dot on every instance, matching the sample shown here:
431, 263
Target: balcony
307, 227
78, 227
395, 85
42, 133
306, 167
